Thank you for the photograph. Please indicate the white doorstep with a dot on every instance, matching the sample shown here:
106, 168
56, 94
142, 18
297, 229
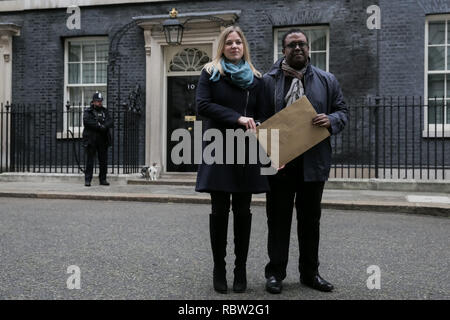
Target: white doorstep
433, 199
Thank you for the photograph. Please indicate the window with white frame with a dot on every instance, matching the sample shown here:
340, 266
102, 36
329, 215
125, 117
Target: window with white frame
437, 73
86, 61
319, 39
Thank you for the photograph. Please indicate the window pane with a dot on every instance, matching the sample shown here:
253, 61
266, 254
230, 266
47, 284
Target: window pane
448, 32
75, 96
189, 59
436, 33
88, 73
280, 40
102, 51
75, 117
447, 85
318, 40
203, 60
448, 112
101, 73
319, 60
435, 111
88, 52
448, 57
74, 73
436, 58
436, 84
74, 52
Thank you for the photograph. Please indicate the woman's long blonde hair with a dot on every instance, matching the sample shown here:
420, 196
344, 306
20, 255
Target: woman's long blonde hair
215, 63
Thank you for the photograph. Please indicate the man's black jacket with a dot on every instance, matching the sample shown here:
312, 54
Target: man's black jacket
323, 91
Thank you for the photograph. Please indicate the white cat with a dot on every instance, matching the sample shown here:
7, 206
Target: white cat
150, 173
153, 172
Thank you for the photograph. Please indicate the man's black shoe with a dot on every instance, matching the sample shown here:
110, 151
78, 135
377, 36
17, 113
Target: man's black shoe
273, 285
318, 283
87, 183
104, 183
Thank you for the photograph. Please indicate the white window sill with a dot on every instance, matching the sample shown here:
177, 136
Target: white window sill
436, 133
66, 135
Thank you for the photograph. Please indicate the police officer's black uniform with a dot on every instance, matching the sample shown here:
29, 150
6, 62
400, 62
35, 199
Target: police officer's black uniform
96, 139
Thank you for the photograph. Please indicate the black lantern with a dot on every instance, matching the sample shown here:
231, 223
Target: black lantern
173, 29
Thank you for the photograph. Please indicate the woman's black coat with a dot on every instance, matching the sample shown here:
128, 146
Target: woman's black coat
222, 103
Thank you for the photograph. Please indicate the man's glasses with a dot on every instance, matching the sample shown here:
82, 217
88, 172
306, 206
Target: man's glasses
294, 45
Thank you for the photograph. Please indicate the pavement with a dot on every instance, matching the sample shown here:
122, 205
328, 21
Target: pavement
402, 196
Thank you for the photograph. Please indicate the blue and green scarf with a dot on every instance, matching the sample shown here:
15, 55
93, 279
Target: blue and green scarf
241, 74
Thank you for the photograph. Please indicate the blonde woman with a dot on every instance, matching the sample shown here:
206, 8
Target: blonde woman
230, 96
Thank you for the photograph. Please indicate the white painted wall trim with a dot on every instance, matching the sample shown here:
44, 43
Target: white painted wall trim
10, 28
7, 31
22, 5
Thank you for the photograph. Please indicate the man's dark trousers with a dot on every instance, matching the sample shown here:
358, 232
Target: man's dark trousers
287, 186
102, 151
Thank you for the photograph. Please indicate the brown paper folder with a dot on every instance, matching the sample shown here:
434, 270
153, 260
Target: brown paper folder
296, 132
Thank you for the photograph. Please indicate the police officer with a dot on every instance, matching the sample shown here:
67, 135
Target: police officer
96, 138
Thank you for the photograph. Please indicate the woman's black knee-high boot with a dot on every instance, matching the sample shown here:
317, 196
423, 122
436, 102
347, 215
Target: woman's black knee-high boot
242, 227
218, 227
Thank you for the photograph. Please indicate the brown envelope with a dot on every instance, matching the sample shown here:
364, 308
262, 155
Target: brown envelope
296, 132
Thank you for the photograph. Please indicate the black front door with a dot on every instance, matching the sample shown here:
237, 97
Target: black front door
181, 113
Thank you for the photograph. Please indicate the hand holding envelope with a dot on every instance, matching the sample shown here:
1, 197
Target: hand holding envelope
296, 132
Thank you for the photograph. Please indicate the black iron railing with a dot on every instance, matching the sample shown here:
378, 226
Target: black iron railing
394, 138
48, 139
386, 138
